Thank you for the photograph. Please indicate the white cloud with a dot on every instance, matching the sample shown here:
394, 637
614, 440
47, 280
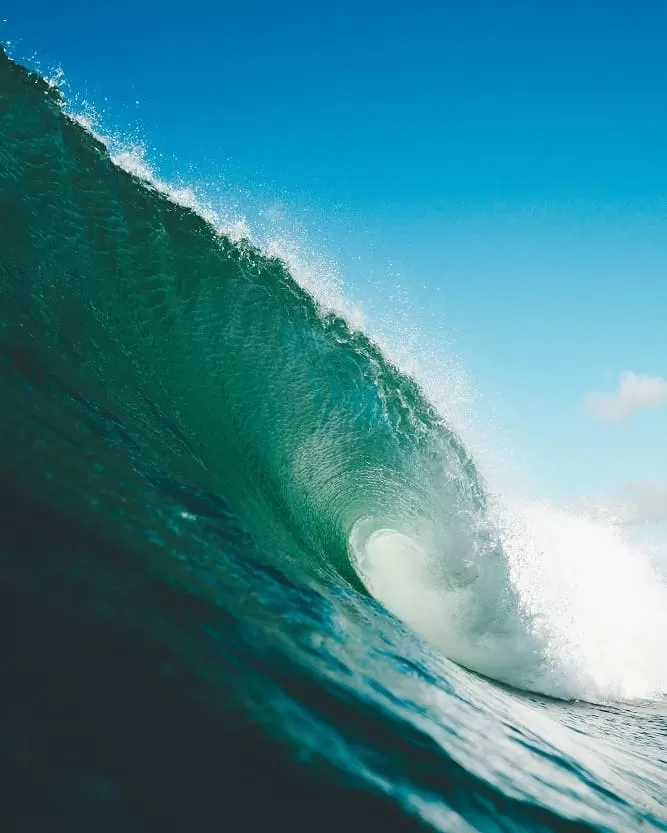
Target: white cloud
637, 503
635, 393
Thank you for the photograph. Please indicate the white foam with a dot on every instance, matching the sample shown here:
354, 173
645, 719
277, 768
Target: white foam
593, 593
565, 605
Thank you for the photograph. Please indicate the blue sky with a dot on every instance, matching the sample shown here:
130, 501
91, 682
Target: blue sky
502, 166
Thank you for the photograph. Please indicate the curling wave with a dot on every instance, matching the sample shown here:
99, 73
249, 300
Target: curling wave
130, 321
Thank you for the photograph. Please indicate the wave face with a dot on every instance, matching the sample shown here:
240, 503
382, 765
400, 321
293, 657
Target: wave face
210, 482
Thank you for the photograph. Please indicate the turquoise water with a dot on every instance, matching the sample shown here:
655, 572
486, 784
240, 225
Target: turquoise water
251, 576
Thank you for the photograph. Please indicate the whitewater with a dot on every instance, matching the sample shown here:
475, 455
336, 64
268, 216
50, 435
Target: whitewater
249, 560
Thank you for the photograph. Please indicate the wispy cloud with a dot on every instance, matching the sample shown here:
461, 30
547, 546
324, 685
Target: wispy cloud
637, 503
635, 393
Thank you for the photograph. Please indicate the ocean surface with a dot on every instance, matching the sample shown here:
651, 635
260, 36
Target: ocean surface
251, 578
